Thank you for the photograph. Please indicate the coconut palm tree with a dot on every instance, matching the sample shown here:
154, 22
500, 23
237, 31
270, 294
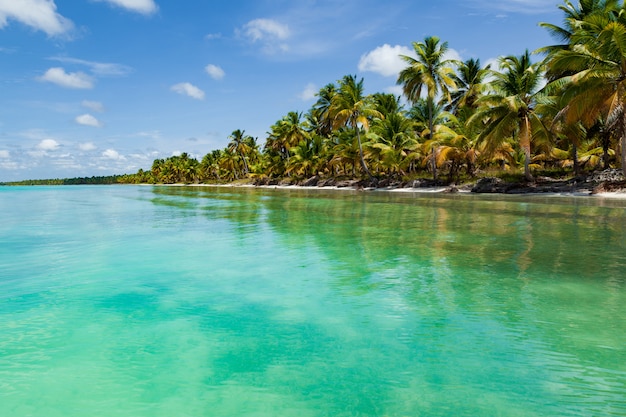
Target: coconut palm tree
395, 142
591, 73
574, 16
321, 110
510, 109
429, 71
470, 79
351, 108
239, 144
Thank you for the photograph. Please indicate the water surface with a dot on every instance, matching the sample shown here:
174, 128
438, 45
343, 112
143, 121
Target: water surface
171, 301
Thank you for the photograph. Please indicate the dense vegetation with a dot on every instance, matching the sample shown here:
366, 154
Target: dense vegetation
562, 111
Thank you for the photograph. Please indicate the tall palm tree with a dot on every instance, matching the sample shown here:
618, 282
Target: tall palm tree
510, 109
592, 71
321, 110
239, 145
470, 79
353, 109
430, 71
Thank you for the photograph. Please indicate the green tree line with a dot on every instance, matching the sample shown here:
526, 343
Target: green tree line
563, 111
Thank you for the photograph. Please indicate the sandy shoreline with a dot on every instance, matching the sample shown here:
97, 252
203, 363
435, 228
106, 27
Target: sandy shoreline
617, 195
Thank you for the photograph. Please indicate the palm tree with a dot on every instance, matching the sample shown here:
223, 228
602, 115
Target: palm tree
387, 103
509, 110
430, 70
395, 142
239, 145
321, 110
353, 109
470, 84
574, 16
592, 74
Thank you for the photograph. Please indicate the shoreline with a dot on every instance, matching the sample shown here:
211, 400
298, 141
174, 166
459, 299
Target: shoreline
451, 190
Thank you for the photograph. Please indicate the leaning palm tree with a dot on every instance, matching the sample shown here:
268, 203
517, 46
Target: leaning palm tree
593, 74
351, 108
430, 71
510, 109
574, 16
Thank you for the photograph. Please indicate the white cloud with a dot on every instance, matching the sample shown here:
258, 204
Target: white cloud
308, 93
452, 54
494, 63
112, 154
269, 33
262, 29
212, 36
93, 105
396, 90
88, 120
215, 72
48, 145
385, 60
87, 146
4, 154
101, 69
38, 14
140, 6
58, 76
188, 89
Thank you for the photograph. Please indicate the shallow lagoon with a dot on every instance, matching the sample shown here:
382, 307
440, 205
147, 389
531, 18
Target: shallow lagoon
183, 301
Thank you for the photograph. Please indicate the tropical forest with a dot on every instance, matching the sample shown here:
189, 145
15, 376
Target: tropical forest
556, 111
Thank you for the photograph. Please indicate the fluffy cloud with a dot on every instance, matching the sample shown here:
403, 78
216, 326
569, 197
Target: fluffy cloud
4, 154
215, 72
93, 105
269, 33
140, 6
396, 90
308, 93
88, 120
48, 145
263, 29
453, 55
38, 14
58, 76
112, 154
87, 146
385, 60
188, 89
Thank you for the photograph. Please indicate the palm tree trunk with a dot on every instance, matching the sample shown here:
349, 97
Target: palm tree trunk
575, 159
606, 142
430, 137
623, 153
527, 173
363, 165
245, 164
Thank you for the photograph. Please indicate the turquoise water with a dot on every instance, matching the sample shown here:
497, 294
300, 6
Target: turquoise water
168, 301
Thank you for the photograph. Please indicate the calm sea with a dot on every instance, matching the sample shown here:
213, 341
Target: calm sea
181, 301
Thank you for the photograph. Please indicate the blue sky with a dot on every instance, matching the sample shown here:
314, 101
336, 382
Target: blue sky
99, 87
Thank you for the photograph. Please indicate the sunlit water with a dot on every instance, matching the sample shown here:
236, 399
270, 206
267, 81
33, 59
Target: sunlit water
170, 301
